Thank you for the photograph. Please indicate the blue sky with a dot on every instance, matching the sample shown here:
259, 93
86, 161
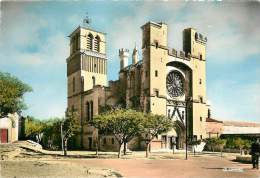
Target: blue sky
34, 46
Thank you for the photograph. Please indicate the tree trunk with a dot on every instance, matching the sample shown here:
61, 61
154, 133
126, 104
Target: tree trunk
65, 147
125, 148
147, 150
97, 144
119, 151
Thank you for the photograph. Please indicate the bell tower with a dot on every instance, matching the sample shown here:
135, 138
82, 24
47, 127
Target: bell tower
87, 63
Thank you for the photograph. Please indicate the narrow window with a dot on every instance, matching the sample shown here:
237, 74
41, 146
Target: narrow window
156, 44
93, 81
157, 93
87, 111
201, 57
156, 73
73, 84
104, 141
201, 137
200, 82
113, 141
91, 110
201, 99
200, 119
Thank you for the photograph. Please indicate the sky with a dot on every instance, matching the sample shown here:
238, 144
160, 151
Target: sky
34, 45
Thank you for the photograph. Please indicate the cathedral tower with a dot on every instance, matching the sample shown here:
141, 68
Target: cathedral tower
86, 68
194, 44
155, 55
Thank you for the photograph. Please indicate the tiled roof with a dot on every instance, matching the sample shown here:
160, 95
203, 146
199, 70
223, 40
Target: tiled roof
241, 124
213, 120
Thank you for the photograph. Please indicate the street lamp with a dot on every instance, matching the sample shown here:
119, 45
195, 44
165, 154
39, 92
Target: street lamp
188, 100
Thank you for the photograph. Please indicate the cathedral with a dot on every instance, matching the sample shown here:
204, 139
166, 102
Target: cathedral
162, 81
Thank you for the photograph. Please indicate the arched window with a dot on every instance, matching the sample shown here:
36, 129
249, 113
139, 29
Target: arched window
90, 41
97, 43
93, 81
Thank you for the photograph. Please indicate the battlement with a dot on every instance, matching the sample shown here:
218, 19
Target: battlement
199, 38
179, 54
123, 52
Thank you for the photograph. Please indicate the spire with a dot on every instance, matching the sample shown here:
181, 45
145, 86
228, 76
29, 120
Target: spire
135, 55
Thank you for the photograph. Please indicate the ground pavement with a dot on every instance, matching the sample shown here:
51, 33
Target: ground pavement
21, 160
198, 166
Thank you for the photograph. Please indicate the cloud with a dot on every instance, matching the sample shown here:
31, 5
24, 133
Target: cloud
233, 101
27, 38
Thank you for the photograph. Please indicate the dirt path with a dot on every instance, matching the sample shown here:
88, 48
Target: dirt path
194, 167
53, 168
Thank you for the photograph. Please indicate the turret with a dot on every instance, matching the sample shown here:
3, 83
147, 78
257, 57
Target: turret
135, 56
123, 55
194, 43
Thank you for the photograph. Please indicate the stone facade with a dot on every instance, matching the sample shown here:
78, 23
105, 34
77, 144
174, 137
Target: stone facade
163, 82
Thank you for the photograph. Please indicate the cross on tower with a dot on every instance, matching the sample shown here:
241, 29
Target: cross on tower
86, 20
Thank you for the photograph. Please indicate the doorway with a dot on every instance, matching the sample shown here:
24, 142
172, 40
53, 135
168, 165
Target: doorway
4, 135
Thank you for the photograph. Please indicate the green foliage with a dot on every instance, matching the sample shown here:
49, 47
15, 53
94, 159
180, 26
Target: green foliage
52, 134
215, 143
238, 143
71, 125
194, 142
11, 94
34, 128
124, 124
153, 125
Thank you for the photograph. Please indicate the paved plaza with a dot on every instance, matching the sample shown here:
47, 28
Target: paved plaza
84, 164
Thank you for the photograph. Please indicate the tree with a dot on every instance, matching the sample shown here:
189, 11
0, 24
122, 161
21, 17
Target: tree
100, 123
152, 126
194, 143
71, 127
34, 129
216, 143
220, 144
239, 143
124, 124
11, 94
51, 133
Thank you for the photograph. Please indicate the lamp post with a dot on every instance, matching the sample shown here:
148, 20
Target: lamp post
186, 132
61, 133
186, 127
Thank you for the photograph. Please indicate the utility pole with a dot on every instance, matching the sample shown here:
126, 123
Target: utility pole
186, 134
61, 133
188, 100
